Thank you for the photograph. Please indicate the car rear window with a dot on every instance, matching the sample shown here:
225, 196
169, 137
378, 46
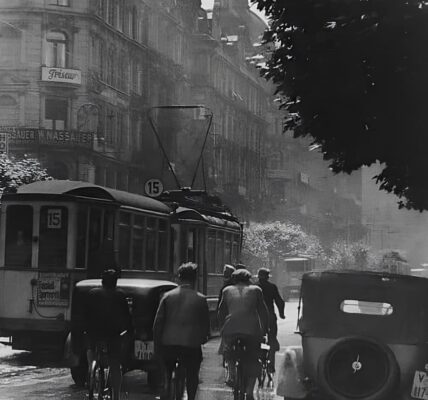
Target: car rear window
366, 307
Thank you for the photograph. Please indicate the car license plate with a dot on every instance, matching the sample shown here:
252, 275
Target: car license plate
143, 350
420, 385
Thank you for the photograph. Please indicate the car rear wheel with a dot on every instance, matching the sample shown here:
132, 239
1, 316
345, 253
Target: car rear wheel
358, 368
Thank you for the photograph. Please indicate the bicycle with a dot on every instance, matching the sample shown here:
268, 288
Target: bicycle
99, 382
236, 364
177, 382
99, 385
266, 368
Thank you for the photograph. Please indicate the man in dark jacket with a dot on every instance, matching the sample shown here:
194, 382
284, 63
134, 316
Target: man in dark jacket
271, 296
181, 326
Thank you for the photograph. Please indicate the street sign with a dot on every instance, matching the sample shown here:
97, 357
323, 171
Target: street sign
4, 143
153, 187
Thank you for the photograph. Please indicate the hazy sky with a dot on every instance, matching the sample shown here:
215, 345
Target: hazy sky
208, 4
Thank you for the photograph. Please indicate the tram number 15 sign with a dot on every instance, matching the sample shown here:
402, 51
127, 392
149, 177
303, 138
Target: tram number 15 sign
153, 187
54, 218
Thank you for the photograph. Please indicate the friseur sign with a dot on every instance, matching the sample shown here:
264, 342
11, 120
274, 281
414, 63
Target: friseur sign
63, 75
29, 136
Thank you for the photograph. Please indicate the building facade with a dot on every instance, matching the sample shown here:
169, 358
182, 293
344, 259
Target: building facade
77, 79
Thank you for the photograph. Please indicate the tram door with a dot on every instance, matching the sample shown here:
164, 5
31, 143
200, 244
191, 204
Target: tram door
193, 251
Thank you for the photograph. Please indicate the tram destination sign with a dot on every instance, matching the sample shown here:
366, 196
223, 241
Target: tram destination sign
50, 137
53, 289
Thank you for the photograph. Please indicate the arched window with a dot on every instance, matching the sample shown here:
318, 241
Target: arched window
10, 44
56, 49
7, 101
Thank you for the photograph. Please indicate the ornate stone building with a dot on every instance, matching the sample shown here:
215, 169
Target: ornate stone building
78, 77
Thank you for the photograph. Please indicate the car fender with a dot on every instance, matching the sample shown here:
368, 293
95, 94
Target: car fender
71, 359
291, 375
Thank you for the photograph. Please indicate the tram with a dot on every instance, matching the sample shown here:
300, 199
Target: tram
56, 233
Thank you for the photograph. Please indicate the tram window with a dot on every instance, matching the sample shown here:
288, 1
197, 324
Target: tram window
151, 244
219, 252
211, 252
191, 245
163, 245
53, 237
95, 229
19, 231
227, 248
82, 223
137, 242
235, 249
124, 238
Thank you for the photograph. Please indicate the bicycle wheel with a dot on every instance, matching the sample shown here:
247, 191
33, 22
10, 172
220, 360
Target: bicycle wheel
100, 383
108, 390
178, 383
239, 384
263, 375
91, 380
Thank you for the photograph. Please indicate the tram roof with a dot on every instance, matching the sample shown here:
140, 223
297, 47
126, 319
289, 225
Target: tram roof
89, 190
190, 214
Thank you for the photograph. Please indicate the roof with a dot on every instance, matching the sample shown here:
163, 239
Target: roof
190, 214
89, 190
128, 282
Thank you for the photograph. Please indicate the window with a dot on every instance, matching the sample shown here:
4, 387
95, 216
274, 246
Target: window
134, 25
151, 244
124, 239
211, 252
53, 237
219, 252
64, 3
138, 242
10, 44
19, 232
366, 307
56, 49
56, 112
163, 245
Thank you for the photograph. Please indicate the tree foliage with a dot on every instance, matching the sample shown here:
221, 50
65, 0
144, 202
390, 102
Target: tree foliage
280, 239
352, 74
16, 172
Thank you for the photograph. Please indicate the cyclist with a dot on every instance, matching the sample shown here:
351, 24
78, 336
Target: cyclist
228, 270
245, 316
106, 317
271, 295
181, 326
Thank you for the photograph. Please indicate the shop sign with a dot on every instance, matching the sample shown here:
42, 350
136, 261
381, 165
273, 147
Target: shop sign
63, 75
25, 136
53, 289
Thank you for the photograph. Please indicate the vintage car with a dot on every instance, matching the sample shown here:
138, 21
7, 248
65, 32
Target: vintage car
143, 297
364, 337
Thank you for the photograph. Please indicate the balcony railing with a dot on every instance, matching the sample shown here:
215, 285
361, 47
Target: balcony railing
278, 174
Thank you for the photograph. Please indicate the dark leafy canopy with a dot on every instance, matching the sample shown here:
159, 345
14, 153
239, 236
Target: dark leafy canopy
354, 74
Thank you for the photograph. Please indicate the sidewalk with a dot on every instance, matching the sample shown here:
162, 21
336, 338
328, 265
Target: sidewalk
212, 386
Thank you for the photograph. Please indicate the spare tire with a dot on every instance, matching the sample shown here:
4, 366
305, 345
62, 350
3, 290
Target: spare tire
358, 368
